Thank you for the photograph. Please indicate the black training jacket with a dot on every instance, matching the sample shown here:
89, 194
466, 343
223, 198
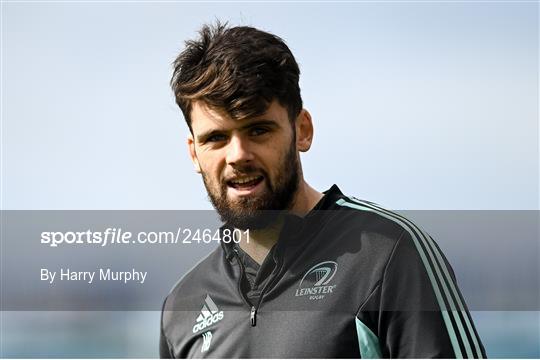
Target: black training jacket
350, 280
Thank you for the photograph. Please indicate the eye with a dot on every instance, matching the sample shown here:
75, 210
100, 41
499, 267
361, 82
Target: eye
258, 130
216, 138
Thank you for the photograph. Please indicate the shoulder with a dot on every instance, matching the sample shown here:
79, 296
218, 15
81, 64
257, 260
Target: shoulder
412, 248
382, 223
367, 216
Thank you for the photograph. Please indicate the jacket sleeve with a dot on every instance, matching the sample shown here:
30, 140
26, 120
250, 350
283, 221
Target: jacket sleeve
416, 310
164, 349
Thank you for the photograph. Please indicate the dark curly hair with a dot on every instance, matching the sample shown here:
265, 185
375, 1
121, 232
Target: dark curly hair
237, 69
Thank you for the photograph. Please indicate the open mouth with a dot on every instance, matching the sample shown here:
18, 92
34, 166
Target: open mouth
245, 182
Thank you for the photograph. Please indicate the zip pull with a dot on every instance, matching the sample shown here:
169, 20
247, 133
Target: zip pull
253, 316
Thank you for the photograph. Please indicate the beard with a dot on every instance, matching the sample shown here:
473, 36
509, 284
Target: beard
258, 212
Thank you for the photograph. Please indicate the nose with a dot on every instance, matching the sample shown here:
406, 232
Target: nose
238, 151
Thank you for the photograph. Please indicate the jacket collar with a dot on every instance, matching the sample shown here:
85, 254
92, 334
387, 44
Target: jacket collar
297, 229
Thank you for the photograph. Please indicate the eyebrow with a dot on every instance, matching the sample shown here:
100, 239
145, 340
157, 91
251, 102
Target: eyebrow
263, 122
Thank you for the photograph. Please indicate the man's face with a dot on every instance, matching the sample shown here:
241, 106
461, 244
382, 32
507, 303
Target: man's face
248, 166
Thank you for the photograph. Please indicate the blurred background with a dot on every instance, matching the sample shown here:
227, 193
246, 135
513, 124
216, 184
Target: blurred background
428, 106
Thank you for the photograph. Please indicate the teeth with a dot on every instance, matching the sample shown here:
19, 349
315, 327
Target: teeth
244, 180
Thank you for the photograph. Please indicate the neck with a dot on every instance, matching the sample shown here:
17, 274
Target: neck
260, 242
305, 199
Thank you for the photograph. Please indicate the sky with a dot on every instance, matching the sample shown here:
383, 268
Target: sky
416, 105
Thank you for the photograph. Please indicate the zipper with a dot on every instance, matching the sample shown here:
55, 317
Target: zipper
253, 311
253, 316
270, 283
242, 271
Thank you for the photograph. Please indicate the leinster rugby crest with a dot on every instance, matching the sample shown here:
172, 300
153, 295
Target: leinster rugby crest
317, 281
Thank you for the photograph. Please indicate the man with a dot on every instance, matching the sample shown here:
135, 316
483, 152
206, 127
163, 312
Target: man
314, 274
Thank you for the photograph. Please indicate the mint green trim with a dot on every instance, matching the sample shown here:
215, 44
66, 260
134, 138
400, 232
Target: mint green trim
438, 295
432, 248
456, 294
368, 342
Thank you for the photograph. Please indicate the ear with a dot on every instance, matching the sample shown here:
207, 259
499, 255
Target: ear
193, 154
304, 131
